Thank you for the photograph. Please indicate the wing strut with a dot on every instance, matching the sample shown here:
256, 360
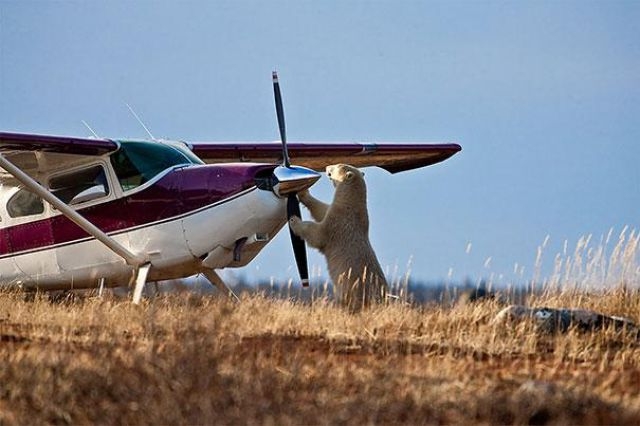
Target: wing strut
131, 258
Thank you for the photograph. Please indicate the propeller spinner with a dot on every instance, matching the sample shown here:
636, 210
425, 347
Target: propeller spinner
289, 177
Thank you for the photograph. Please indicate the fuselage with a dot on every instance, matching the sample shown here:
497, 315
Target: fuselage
154, 198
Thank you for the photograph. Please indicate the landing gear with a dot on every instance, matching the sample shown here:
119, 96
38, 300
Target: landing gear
215, 279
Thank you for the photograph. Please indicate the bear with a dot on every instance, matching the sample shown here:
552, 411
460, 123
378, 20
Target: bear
341, 233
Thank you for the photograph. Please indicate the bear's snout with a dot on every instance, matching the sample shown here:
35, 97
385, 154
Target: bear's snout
331, 170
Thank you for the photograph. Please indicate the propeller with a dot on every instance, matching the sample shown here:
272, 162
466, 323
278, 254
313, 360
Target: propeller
293, 205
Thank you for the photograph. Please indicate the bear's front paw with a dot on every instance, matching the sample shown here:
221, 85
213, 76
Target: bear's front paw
294, 222
303, 196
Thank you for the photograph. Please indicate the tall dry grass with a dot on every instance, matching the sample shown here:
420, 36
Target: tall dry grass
185, 359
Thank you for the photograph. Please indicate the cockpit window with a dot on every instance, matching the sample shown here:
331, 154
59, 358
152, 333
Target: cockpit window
80, 186
135, 163
24, 203
188, 153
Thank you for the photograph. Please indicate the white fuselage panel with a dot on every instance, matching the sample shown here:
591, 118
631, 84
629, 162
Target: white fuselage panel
174, 246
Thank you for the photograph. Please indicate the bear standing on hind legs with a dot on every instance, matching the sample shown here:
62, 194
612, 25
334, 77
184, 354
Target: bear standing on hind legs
341, 233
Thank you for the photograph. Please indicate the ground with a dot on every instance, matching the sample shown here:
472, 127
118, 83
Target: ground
183, 359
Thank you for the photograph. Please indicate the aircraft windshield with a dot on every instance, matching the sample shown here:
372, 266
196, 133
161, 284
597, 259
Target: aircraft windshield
135, 163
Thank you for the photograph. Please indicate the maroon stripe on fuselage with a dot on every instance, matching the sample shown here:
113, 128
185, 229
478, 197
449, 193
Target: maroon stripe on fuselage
179, 192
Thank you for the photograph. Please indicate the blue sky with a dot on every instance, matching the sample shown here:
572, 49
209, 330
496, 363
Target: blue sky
543, 96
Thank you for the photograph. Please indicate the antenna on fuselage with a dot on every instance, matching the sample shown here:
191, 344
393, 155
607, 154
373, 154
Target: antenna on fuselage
140, 121
95, 135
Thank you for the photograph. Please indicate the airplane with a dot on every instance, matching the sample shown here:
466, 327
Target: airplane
83, 213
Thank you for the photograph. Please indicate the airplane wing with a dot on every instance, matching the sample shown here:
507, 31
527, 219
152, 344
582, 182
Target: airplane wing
21, 148
317, 155
34, 153
58, 144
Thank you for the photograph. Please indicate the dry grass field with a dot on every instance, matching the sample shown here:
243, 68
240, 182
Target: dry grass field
200, 360
186, 359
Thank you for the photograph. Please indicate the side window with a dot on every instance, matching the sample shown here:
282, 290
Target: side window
128, 174
80, 186
24, 203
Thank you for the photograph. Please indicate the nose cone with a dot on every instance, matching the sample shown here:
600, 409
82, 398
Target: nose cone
293, 179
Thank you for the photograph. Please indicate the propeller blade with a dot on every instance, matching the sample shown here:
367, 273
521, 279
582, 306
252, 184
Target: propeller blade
299, 247
280, 114
288, 179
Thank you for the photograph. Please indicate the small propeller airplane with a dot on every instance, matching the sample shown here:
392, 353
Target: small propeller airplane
78, 213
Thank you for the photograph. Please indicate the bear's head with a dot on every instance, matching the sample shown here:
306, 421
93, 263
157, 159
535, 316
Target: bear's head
344, 174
